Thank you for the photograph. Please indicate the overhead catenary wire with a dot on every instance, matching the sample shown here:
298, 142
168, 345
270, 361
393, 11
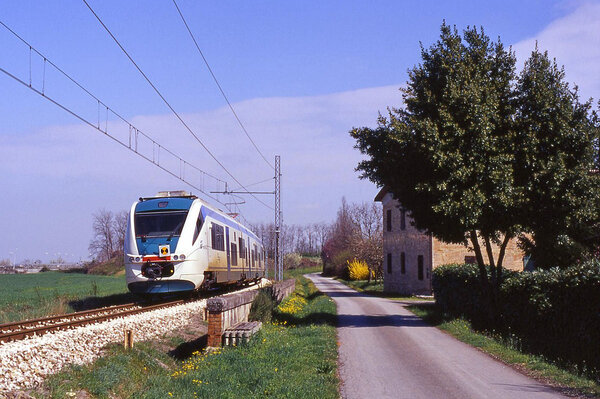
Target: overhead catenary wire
221, 88
98, 126
254, 184
170, 106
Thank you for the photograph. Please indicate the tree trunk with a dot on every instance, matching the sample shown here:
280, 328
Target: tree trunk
488, 315
479, 257
490, 254
503, 246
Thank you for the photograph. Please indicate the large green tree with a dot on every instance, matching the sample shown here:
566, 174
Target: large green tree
457, 156
447, 155
554, 161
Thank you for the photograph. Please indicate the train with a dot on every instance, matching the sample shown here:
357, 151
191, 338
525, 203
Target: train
178, 243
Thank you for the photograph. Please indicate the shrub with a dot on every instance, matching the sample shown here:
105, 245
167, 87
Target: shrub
309, 262
292, 260
457, 290
553, 312
358, 269
263, 305
340, 263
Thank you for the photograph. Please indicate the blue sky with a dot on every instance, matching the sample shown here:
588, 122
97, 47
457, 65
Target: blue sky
300, 74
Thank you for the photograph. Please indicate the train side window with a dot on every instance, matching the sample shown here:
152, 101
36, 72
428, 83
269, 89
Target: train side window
233, 254
242, 248
197, 230
217, 236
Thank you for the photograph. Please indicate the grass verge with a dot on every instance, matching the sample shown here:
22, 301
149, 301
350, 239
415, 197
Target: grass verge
531, 365
297, 273
375, 288
295, 356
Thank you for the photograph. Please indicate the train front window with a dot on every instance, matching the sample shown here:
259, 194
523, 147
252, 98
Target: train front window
159, 224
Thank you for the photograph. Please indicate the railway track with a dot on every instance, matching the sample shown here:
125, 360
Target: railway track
21, 329
18, 330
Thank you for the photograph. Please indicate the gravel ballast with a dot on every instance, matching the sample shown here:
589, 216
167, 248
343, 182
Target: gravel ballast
25, 363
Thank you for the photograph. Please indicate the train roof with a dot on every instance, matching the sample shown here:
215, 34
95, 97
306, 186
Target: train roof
181, 200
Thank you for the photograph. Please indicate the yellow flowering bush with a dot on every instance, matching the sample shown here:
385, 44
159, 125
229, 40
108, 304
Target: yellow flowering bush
293, 305
358, 269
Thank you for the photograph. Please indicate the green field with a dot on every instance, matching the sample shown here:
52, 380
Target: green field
26, 296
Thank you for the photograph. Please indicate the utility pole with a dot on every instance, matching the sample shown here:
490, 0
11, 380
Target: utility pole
278, 255
278, 261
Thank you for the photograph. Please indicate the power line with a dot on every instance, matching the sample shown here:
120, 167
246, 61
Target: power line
219, 86
254, 184
134, 133
169, 105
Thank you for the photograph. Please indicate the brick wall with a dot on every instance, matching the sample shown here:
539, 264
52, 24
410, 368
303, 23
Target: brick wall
415, 243
444, 253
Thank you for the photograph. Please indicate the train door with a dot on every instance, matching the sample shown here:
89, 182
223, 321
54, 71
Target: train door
228, 252
248, 258
242, 253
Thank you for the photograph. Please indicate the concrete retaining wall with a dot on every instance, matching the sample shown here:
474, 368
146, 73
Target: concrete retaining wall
228, 310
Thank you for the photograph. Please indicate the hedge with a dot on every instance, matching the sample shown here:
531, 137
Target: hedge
554, 313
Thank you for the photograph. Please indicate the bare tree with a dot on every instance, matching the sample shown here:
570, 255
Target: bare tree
120, 222
357, 232
367, 218
103, 242
367, 241
322, 233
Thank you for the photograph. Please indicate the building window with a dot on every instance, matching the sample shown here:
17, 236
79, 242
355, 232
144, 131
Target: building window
402, 263
402, 219
389, 220
217, 237
420, 266
389, 263
470, 260
233, 254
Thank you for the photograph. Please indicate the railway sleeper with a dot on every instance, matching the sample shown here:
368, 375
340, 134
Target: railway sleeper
240, 332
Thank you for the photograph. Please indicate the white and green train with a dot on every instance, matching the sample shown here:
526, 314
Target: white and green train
176, 242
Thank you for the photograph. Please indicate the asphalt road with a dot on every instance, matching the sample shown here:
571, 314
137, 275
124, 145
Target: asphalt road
387, 352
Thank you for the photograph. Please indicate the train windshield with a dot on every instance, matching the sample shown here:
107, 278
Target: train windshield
159, 224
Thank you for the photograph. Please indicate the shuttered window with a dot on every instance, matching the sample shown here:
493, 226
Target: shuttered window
389, 220
402, 263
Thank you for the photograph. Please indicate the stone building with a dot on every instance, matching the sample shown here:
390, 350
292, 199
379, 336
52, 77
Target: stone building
410, 254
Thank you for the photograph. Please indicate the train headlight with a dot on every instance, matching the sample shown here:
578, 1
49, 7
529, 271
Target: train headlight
182, 257
131, 258
175, 257
137, 259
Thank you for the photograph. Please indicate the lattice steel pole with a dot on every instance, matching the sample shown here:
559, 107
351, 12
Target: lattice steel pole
278, 255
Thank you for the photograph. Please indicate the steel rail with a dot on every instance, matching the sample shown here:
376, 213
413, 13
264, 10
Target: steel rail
32, 322
22, 333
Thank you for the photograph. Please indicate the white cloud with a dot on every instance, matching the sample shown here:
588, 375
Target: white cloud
64, 173
574, 41
56, 177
